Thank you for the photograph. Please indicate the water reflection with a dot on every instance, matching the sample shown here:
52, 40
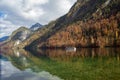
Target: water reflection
9, 72
20, 67
95, 63
80, 53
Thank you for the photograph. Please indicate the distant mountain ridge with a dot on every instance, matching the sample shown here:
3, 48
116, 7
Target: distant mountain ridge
20, 35
4, 38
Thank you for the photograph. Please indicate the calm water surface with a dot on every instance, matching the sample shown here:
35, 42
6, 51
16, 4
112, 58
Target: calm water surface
83, 64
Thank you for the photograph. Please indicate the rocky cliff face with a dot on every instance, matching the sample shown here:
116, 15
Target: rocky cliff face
17, 37
88, 24
20, 34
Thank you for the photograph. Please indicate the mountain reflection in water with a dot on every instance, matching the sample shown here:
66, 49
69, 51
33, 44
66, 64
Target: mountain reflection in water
84, 64
16, 68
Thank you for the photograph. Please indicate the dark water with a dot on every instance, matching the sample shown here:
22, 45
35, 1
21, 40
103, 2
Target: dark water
83, 64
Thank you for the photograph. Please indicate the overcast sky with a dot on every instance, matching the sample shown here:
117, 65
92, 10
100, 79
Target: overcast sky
16, 13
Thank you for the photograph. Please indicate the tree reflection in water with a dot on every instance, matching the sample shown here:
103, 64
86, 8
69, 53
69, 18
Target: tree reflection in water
84, 64
80, 53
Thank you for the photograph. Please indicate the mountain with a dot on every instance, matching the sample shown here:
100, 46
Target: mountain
21, 34
4, 38
37, 34
88, 24
35, 27
17, 37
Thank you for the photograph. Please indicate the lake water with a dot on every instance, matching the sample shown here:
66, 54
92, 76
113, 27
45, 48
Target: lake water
83, 64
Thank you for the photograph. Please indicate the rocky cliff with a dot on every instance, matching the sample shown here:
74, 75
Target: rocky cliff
89, 23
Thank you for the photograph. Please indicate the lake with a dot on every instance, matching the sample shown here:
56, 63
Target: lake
59, 64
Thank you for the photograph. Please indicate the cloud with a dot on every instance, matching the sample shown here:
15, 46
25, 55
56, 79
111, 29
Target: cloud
27, 12
6, 27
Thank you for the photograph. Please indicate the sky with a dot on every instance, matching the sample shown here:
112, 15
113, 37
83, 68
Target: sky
17, 13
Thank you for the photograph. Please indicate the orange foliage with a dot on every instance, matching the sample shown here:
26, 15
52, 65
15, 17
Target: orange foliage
101, 32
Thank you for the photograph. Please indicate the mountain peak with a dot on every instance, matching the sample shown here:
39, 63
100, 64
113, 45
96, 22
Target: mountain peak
35, 26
